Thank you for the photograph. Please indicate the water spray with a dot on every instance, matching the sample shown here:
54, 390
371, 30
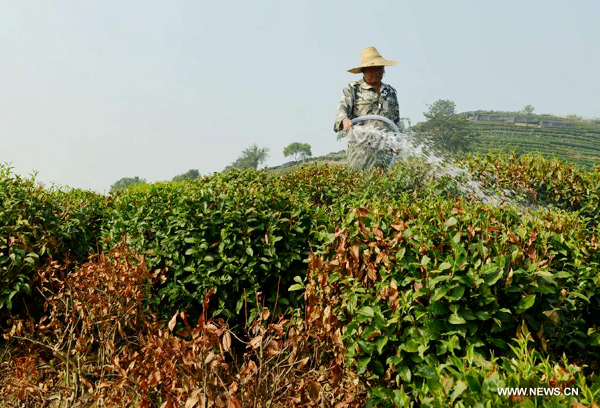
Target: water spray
398, 145
376, 117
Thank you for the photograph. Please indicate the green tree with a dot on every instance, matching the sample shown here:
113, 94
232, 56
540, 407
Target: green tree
127, 182
528, 110
442, 108
298, 151
448, 130
251, 158
189, 175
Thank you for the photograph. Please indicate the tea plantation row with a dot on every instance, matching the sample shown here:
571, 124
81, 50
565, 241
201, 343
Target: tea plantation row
411, 272
580, 144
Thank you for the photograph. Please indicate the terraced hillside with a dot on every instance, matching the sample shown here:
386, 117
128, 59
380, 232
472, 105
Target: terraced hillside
574, 140
579, 144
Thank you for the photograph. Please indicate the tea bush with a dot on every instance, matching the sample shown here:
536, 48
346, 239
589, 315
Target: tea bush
473, 381
241, 232
419, 281
406, 280
255, 228
38, 224
98, 344
547, 181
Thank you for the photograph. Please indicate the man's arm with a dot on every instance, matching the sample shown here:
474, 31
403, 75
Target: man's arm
344, 108
395, 110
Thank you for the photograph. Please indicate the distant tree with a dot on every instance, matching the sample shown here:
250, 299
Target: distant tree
127, 182
442, 108
298, 151
251, 158
448, 130
528, 110
189, 175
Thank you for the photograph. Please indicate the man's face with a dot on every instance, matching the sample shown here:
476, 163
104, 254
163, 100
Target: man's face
373, 75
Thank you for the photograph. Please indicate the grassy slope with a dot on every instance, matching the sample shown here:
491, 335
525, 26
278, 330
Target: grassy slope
330, 158
580, 145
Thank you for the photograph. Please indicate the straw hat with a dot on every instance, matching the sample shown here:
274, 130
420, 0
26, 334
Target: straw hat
370, 57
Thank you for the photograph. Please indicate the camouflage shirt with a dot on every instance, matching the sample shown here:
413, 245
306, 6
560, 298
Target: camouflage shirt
361, 99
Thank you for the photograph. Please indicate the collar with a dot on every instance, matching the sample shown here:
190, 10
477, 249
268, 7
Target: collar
364, 85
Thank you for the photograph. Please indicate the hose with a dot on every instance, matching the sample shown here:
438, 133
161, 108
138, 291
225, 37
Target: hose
377, 117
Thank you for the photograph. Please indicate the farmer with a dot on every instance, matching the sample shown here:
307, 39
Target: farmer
367, 96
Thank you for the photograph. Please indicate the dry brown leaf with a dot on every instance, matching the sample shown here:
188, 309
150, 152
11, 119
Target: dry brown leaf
233, 402
191, 402
278, 328
104, 385
334, 262
513, 237
354, 252
255, 342
378, 233
371, 273
209, 357
157, 376
272, 348
362, 212
173, 321
314, 314
398, 227
314, 390
303, 362
233, 387
292, 357
337, 338
226, 341
248, 368
532, 253
385, 291
326, 313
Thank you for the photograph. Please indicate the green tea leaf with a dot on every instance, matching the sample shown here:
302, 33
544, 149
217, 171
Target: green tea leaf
404, 374
361, 364
450, 222
366, 311
459, 388
525, 303
456, 319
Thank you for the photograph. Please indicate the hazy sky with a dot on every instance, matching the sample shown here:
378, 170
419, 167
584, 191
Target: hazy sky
92, 91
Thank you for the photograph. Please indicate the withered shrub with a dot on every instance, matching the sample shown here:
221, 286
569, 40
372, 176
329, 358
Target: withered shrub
100, 344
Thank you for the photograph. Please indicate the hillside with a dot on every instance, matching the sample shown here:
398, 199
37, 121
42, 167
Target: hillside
330, 158
574, 140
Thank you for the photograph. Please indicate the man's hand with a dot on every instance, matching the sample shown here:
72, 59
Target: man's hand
347, 124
